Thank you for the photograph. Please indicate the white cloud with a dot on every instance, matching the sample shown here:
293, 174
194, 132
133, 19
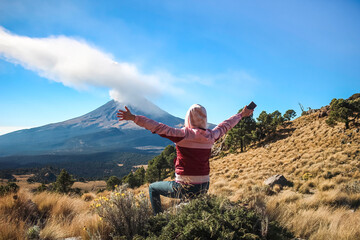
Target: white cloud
77, 64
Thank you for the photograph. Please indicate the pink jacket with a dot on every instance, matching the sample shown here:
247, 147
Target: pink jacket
193, 146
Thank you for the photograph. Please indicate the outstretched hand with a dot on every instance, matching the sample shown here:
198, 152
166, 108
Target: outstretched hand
125, 115
246, 112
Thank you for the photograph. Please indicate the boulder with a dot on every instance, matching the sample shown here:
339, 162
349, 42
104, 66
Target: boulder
324, 111
277, 179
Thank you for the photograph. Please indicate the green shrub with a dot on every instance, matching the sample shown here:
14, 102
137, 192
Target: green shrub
11, 187
41, 188
207, 217
125, 213
210, 217
33, 233
307, 176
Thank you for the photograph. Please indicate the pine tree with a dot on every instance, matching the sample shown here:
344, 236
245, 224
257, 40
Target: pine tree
289, 114
63, 182
345, 111
112, 182
140, 176
241, 135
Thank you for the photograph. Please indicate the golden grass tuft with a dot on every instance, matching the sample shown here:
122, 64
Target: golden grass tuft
12, 230
88, 197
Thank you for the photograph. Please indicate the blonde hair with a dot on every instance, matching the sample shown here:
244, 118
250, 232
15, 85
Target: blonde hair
196, 117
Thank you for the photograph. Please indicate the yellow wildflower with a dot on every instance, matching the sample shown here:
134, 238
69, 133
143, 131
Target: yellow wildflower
123, 194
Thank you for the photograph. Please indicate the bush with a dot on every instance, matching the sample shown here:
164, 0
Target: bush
307, 176
33, 233
41, 188
125, 213
11, 187
210, 218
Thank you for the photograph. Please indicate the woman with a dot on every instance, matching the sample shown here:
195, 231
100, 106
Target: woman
193, 148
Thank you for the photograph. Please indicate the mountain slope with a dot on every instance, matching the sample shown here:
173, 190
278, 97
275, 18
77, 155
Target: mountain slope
323, 163
96, 131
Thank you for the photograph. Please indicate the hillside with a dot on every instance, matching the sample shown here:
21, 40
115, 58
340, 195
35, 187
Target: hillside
321, 161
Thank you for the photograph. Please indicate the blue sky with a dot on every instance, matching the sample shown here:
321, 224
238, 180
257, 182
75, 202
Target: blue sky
60, 59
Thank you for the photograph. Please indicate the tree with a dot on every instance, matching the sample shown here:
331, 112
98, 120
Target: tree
345, 111
161, 166
241, 135
112, 182
140, 176
63, 182
263, 125
267, 123
156, 169
131, 180
289, 114
135, 179
276, 119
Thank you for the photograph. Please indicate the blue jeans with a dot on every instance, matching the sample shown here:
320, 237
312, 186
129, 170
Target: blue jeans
174, 190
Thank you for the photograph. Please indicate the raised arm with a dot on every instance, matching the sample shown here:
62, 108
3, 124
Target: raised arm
228, 124
174, 134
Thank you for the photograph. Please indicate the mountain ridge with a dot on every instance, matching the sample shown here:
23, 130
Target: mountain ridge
96, 131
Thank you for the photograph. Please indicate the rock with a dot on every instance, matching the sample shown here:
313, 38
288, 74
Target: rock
311, 111
277, 179
324, 111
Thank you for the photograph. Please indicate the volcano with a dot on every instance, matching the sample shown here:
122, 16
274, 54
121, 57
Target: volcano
94, 132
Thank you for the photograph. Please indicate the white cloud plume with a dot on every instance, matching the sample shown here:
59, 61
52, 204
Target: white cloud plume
77, 64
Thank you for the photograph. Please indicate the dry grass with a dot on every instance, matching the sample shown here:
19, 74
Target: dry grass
21, 181
58, 216
319, 160
10, 230
90, 186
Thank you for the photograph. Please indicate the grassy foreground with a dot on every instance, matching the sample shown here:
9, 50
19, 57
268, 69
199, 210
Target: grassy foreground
122, 214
